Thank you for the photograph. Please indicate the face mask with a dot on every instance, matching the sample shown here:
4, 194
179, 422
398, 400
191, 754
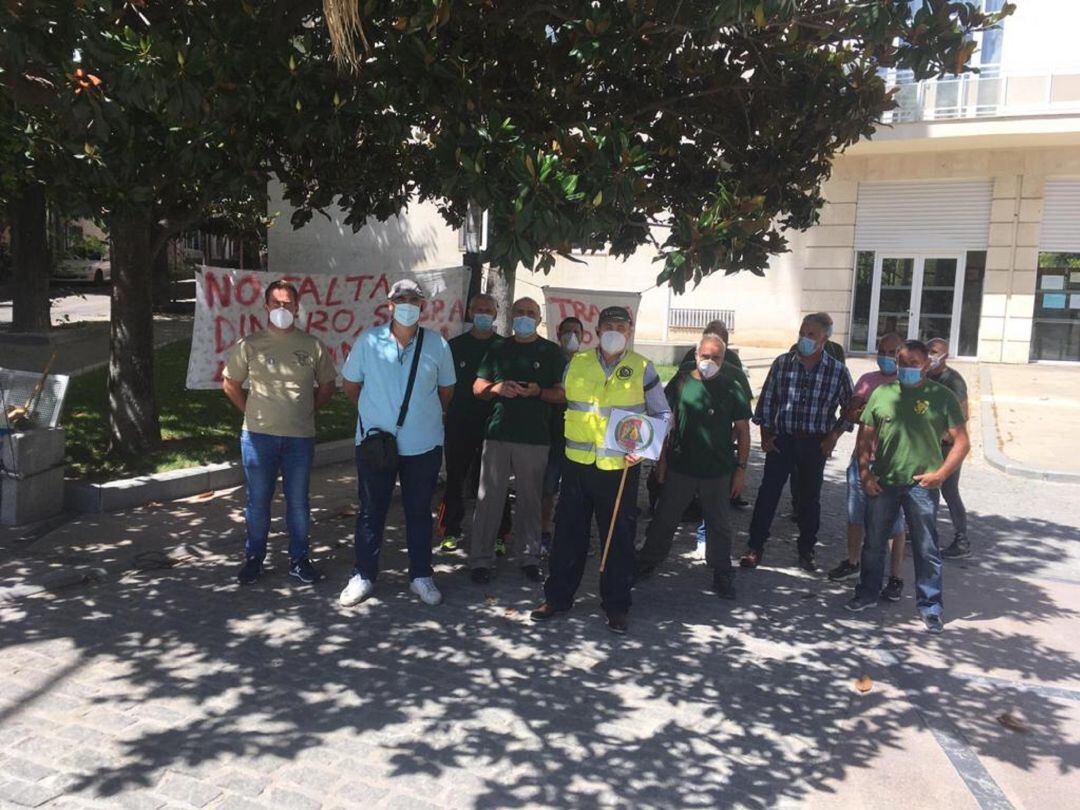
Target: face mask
910, 376
483, 322
613, 342
806, 346
406, 314
281, 318
708, 368
935, 361
570, 342
524, 326
887, 365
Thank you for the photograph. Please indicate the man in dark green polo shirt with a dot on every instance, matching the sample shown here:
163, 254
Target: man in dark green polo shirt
732, 367
701, 459
467, 416
523, 376
942, 373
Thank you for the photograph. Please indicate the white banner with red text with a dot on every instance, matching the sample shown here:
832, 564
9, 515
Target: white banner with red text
585, 305
333, 308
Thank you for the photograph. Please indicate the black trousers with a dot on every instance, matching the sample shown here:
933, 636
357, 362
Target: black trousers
588, 493
464, 441
803, 456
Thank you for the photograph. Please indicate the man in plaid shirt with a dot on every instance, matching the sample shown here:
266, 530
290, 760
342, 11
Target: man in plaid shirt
797, 414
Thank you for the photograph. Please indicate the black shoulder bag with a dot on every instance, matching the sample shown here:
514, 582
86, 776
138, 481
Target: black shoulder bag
378, 449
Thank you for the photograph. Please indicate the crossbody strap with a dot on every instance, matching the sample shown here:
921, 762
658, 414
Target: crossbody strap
412, 378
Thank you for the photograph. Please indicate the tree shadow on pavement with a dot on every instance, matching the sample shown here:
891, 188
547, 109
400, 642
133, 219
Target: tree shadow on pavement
704, 704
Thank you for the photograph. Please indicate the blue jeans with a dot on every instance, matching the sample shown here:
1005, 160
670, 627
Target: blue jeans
856, 501
263, 456
419, 475
920, 506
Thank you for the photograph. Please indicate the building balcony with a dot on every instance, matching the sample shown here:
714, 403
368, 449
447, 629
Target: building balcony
988, 94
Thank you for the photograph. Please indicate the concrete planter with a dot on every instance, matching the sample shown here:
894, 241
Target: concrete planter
32, 481
128, 493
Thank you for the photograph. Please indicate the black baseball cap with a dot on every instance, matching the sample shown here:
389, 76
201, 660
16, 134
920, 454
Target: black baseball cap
614, 314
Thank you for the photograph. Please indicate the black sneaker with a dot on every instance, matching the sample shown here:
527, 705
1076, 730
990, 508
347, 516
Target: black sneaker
933, 623
303, 570
724, 584
532, 573
857, 605
616, 623
481, 576
807, 562
845, 570
959, 549
739, 502
892, 590
250, 571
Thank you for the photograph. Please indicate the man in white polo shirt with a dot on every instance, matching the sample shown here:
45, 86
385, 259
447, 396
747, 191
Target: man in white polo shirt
376, 377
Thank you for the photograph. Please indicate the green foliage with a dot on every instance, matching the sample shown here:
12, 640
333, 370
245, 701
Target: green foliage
703, 128
198, 427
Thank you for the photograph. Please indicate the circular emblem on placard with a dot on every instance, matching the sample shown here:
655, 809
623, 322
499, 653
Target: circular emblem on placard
633, 433
625, 373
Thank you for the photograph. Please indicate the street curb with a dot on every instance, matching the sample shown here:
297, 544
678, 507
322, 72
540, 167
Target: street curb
992, 453
113, 496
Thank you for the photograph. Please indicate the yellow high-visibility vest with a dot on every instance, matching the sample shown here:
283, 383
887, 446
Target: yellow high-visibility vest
590, 397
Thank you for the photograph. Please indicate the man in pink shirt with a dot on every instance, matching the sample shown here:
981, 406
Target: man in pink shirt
888, 345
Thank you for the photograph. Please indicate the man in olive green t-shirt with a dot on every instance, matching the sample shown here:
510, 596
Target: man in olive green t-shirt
523, 375
290, 375
701, 459
905, 421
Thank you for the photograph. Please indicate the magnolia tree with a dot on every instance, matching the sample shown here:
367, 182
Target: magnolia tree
572, 123
584, 123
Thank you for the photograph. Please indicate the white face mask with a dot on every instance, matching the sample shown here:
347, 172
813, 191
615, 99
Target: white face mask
708, 368
281, 318
613, 342
570, 342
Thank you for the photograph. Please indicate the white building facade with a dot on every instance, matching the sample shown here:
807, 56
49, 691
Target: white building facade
959, 219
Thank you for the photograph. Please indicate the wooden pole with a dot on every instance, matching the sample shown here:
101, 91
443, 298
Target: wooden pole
614, 517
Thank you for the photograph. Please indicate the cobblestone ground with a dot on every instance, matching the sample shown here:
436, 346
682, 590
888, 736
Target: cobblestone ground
175, 688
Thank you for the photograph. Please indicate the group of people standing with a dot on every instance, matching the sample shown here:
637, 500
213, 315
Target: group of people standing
535, 411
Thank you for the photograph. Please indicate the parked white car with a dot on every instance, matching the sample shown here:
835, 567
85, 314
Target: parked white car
96, 270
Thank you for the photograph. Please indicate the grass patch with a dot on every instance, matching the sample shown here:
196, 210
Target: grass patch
197, 427
666, 372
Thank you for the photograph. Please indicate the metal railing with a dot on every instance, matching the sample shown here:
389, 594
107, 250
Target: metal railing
987, 94
698, 318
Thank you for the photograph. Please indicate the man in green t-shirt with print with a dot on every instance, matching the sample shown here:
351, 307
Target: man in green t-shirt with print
523, 375
905, 421
701, 459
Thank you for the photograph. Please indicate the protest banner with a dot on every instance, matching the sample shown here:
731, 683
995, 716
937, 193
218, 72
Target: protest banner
333, 308
585, 305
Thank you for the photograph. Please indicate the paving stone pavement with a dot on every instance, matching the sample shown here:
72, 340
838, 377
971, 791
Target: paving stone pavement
176, 688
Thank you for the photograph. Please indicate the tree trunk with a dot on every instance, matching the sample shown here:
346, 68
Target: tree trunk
162, 283
133, 420
30, 262
500, 286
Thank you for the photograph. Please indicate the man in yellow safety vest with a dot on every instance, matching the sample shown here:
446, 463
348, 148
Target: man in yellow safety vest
596, 382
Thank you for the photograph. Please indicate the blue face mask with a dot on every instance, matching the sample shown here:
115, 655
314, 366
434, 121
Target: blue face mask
887, 365
483, 322
910, 377
806, 346
524, 326
406, 314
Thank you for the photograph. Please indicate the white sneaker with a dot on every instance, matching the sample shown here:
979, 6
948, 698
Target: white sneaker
356, 591
424, 587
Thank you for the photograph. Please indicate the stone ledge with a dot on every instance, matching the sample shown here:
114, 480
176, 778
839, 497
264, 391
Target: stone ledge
993, 454
128, 493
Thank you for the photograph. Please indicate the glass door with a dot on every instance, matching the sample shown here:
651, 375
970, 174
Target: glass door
917, 296
892, 309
